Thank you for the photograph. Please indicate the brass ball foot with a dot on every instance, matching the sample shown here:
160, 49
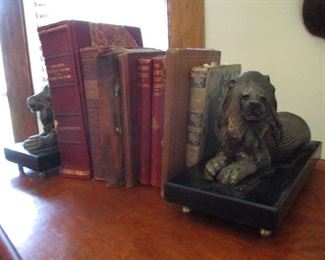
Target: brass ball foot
265, 232
42, 174
186, 210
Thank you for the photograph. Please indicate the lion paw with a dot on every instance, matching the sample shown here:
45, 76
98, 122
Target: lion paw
213, 167
209, 171
235, 172
33, 143
230, 175
40, 141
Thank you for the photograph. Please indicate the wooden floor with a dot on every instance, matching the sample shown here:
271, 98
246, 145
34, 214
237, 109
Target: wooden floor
58, 218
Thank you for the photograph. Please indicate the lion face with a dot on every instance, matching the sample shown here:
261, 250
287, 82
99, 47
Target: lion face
253, 103
255, 96
40, 101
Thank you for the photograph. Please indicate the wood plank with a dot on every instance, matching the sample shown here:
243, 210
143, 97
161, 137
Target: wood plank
186, 23
64, 218
320, 165
16, 67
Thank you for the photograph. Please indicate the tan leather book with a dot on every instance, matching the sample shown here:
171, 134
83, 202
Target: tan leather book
179, 63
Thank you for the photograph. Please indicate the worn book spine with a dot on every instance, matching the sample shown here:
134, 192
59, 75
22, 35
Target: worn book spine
110, 122
102, 88
60, 44
88, 58
179, 63
195, 127
144, 82
209, 87
158, 95
128, 115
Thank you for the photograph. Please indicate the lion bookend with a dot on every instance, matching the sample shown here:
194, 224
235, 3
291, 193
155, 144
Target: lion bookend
41, 103
40, 152
250, 132
262, 161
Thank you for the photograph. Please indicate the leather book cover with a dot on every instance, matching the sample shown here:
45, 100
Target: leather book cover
109, 117
207, 92
88, 57
144, 86
115, 35
130, 104
60, 44
179, 63
158, 95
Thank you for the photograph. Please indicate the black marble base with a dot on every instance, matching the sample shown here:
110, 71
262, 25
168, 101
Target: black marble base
38, 160
261, 201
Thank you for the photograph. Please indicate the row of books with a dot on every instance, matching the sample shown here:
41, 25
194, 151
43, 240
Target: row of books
122, 110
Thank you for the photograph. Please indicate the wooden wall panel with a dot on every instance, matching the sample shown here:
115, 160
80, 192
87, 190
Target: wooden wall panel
186, 23
16, 67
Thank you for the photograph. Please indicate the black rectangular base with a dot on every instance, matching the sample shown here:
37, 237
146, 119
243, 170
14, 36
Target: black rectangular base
261, 201
38, 160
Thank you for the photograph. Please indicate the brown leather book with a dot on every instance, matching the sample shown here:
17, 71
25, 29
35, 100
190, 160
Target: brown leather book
130, 110
179, 63
109, 117
60, 44
88, 57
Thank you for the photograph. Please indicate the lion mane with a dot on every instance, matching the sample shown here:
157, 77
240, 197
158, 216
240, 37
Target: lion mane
236, 134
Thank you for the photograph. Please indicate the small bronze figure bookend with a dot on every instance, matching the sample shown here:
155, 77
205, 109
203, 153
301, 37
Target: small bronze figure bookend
41, 103
250, 131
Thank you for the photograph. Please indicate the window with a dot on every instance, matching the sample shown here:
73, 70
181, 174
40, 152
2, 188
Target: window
6, 134
150, 16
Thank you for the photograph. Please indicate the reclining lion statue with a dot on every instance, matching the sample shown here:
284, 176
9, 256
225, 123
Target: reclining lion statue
250, 131
41, 103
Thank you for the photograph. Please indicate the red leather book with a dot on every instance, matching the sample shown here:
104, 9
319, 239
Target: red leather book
130, 109
158, 91
144, 77
60, 44
179, 63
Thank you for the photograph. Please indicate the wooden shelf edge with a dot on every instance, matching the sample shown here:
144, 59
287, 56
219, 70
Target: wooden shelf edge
7, 249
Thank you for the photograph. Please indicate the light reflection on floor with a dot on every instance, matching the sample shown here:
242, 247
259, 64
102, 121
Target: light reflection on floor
19, 208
